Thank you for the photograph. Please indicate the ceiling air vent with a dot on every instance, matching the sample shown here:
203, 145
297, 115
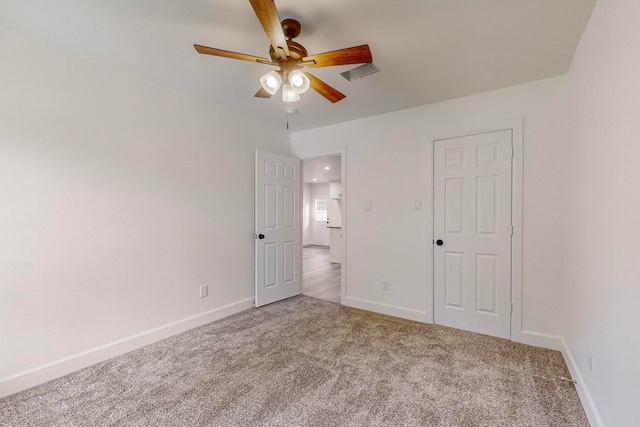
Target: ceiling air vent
359, 72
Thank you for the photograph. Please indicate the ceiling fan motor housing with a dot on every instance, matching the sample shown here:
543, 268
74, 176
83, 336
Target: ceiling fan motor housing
296, 52
291, 29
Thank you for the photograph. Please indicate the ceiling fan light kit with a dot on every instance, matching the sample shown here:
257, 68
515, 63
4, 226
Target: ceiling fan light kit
299, 82
295, 83
271, 82
288, 94
291, 57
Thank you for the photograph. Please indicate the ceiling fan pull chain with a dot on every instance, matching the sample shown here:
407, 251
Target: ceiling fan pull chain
289, 111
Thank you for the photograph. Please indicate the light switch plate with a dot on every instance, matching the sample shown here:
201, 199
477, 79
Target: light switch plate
204, 291
367, 206
418, 204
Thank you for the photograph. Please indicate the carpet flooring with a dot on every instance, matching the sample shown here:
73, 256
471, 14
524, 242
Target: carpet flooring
308, 362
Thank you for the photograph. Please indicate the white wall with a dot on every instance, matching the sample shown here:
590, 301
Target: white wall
388, 161
119, 198
601, 227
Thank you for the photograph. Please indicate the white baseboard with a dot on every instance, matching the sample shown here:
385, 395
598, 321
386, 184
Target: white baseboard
537, 339
57, 368
583, 391
391, 310
556, 342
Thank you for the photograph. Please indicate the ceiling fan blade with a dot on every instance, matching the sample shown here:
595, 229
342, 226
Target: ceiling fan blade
262, 94
324, 89
350, 55
228, 54
268, 16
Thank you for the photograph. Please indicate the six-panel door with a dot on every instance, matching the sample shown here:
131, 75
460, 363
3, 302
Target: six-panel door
472, 218
277, 228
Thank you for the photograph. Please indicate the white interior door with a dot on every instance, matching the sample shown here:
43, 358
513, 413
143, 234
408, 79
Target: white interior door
320, 205
278, 228
472, 232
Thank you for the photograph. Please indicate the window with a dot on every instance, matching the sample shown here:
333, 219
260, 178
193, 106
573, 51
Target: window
321, 210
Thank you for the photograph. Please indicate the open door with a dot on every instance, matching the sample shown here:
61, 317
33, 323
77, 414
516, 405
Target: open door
278, 229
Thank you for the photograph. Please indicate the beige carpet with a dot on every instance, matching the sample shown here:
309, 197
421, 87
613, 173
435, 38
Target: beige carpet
308, 362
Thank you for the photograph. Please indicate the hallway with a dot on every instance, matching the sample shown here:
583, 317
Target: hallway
320, 278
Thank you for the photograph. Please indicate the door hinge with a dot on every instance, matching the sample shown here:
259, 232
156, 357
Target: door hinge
511, 308
512, 230
512, 151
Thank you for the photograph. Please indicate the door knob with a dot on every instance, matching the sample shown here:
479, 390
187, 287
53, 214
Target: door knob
260, 236
439, 242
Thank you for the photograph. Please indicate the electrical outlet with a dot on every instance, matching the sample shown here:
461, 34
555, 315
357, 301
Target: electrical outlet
204, 291
590, 355
385, 285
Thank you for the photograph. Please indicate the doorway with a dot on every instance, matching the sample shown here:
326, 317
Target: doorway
322, 221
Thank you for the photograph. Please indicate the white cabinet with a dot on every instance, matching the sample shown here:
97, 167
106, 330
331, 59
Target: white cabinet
335, 190
335, 253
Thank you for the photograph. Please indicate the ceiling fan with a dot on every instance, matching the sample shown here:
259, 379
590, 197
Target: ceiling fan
291, 58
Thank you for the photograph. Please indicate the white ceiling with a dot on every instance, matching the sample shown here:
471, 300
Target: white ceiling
426, 50
314, 169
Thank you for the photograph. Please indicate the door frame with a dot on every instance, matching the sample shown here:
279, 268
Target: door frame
343, 178
517, 167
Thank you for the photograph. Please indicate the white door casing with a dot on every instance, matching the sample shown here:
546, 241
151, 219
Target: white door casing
472, 218
278, 228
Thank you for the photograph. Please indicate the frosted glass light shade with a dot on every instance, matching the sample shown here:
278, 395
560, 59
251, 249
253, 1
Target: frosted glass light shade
288, 94
299, 81
271, 82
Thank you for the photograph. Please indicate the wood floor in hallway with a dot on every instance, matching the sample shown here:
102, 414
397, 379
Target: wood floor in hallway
320, 278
